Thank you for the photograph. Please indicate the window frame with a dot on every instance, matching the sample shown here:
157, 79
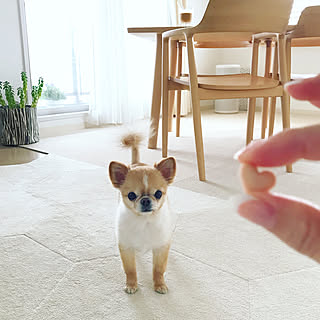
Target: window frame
49, 110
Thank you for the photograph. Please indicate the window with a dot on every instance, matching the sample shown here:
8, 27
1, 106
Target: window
59, 50
60, 41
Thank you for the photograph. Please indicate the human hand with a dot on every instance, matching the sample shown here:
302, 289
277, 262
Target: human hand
294, 221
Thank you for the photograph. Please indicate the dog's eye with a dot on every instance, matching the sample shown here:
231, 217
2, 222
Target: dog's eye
158, 194
132, 196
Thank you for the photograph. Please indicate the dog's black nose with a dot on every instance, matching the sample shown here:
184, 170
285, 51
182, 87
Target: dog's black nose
145, 204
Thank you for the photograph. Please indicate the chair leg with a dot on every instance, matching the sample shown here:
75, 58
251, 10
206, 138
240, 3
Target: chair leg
196, 109
266, 100
288, 54
274, 99
172, 71
264, 119
272, 115
198, 138
178, 115
285, 100
286, 118
165, 98
252, 101
250, 120
172, 94
179, 71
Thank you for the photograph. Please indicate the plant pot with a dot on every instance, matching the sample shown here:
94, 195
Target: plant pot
18, 126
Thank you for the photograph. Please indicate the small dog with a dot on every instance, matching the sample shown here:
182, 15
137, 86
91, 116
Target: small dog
144, 221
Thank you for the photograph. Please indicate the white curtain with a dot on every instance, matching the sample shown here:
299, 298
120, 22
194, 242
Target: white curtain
122, 64
86, 52
109, 91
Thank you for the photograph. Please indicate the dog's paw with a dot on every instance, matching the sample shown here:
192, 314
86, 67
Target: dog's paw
131, 289
163, 289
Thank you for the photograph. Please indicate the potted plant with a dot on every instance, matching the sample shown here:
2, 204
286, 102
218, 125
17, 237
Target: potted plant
18, 119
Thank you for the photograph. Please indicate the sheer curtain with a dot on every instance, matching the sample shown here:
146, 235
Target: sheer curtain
122, 64
86, 52
109, 92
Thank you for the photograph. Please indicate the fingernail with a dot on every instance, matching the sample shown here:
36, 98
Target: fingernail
292, 83
258, 212
238, 199
253, 143
237, 154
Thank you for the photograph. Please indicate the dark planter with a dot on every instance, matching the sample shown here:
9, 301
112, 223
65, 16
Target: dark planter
18, 126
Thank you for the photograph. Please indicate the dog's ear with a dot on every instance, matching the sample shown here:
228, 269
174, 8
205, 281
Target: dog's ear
117, 173
167, 168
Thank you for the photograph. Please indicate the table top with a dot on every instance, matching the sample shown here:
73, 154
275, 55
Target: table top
203, 40
151, 29
162, 29
214, 40
149, 32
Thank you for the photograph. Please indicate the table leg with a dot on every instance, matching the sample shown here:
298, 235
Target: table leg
156, 96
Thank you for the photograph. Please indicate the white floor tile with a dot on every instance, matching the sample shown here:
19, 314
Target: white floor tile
291, 296
28, 272
94, 290
84, 231
220, 238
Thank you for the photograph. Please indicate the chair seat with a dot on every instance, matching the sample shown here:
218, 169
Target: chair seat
231, 82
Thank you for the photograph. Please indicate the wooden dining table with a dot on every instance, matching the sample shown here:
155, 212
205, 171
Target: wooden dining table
204, 40
151, 33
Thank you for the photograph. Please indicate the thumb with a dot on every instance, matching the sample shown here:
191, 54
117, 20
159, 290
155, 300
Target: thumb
295, 222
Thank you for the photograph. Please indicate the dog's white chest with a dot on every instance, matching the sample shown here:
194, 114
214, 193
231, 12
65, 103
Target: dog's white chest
144, 232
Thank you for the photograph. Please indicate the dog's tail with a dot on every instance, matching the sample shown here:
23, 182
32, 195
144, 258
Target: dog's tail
133, 140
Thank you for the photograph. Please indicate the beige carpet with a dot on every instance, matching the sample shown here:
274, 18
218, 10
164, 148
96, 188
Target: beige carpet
58, 256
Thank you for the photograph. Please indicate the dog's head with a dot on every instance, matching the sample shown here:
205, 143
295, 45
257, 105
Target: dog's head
143, 188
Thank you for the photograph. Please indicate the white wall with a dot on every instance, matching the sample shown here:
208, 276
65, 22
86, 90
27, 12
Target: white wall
11, 54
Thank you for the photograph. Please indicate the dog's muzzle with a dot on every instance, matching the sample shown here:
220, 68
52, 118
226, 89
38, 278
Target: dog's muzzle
146, 204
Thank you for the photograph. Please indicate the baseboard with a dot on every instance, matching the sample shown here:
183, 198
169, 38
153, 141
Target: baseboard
297, 107
61, 124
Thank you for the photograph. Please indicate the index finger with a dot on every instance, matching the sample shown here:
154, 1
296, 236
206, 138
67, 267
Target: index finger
307, 89
283, 148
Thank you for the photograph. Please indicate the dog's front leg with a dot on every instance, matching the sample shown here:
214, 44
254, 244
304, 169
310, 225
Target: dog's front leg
129, 266
160, 259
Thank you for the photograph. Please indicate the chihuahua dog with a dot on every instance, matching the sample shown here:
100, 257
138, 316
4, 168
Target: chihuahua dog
144, 221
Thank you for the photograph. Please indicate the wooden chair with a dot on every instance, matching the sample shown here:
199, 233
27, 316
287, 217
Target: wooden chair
307, 32
236, 42
228, 17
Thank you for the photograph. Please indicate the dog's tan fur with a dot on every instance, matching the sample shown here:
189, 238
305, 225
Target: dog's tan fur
160, 260
129, 265
143, 180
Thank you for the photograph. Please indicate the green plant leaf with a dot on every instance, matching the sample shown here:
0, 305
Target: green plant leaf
21, 96
2, 101
9, 94
24, 79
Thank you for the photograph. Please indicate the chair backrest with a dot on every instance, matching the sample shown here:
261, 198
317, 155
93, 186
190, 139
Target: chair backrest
246, 16
308, 24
